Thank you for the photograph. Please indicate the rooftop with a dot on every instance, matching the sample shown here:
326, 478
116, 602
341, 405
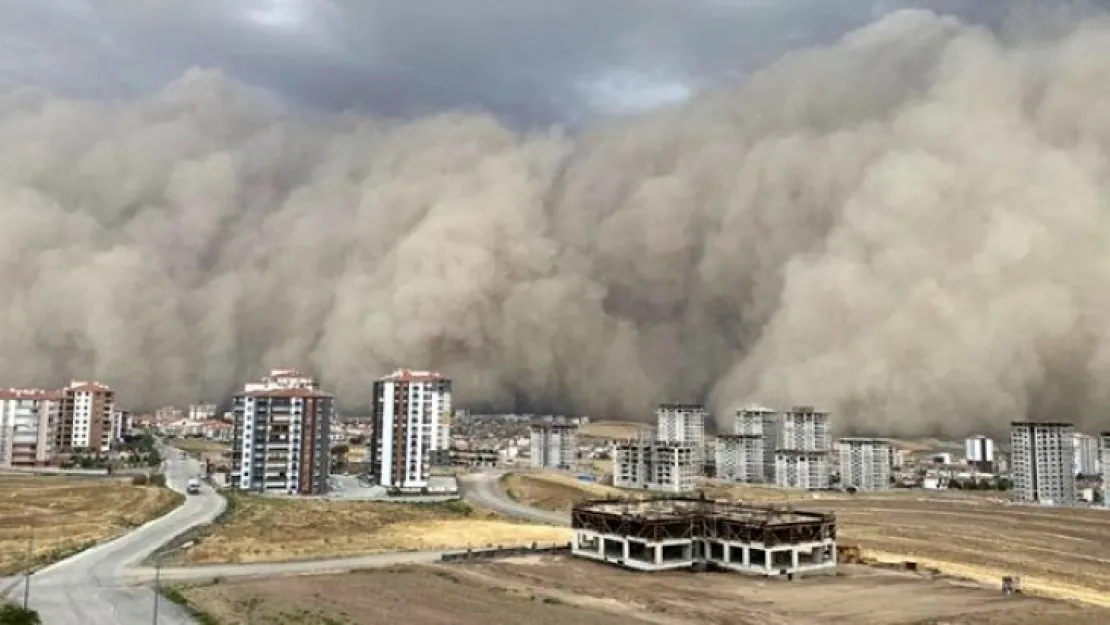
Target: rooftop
1051, 424
674, 508
303, 393
413, 375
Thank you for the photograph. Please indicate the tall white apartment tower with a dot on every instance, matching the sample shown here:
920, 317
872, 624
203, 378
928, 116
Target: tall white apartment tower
411, 411
282, 437
864, 463
1043, 462
554, 443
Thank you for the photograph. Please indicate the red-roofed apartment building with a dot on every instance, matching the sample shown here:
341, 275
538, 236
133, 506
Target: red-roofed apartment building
281, 437
412, 425
85, 416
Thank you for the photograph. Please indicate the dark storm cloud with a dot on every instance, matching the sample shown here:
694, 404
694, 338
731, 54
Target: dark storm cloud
529, 61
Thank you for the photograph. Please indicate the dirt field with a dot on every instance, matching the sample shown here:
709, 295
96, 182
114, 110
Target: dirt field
557, 591
69, 514
612, 429
263, 529
1058, 552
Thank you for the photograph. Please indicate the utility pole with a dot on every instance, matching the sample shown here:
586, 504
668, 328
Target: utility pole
30, 566
157, 586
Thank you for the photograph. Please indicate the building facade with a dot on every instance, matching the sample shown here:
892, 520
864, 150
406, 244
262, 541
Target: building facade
554, 443
864, 463
1043, 462
27, 421
1104, 461
740, 458
681, 423
281, 439
1086, 454
201, 412
85, 415
801, 445
979, 453
411, 412
656, 465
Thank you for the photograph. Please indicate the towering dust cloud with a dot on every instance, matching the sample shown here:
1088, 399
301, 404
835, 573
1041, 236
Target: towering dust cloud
908, 227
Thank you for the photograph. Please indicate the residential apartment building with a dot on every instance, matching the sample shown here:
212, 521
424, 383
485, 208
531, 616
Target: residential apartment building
979, 453
27, 421
85, 416
280, 441
201, 412
1086, 454
1043, 462
554, 443
656, 465
411, 412
864, 463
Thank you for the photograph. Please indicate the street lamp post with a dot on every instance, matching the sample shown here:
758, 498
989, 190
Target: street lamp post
158, 580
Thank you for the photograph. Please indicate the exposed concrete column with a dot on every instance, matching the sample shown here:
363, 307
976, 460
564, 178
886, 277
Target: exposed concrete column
794, 558
747, 556
659, 554
726, 551
624, 549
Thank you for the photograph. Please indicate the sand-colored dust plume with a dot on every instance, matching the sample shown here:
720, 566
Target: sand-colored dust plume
908, 227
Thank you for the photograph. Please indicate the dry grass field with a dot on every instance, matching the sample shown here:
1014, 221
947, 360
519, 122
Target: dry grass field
260, 529
612, 429
1062, 553
70, 514
557, 591
200, 445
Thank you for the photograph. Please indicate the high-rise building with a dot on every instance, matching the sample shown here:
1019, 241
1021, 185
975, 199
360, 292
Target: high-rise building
554, 443
681, 423
281, 441
1086, 454
1043, 462
979, 453
802, 446
649, 464
85, 418
27, 421
1104, 461
864, 463
740, 458
411, 412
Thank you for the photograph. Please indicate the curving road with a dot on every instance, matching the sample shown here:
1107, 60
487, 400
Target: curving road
107, 585
484, 489
91, 587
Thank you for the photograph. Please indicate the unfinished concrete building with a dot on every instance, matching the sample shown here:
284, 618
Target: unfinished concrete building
1104, 462
682, 423
864, 463
740, 458
554, 443
800, 443
650, 464
677, 533
1043, 458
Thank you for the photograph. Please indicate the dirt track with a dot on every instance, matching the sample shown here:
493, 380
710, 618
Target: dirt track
558, 591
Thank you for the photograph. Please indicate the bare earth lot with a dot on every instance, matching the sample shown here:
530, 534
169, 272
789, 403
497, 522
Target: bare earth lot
261, 529
558, 591
69, 514
1058, 552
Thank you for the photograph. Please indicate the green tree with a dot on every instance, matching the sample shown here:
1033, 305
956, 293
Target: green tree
11, 614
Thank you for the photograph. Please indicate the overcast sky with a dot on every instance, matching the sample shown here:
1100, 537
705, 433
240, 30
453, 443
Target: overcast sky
529, 61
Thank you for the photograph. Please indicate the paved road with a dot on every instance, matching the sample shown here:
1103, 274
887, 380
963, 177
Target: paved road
90, 588
107, 585
484, 489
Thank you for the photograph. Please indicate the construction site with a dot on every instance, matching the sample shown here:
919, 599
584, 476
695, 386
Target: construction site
678, 532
